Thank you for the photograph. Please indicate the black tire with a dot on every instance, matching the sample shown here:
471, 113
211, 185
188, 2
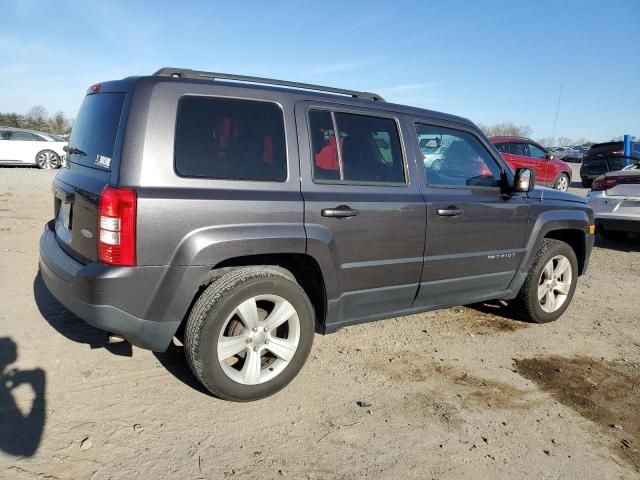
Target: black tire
558, 181
214, 306
527, 304
586, 183
48, 160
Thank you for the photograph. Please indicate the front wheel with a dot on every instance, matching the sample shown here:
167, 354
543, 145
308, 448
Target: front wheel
548, 289
47, 160
249, 333
562, 182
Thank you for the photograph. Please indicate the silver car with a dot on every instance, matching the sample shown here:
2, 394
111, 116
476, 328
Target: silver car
615, 199
29, 147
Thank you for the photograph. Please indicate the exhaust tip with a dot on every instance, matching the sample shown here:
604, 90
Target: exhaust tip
113, 338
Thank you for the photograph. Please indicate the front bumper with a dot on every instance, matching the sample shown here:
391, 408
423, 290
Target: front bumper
103, 296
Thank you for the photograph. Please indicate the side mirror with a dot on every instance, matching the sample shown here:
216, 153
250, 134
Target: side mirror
524, 181
549, 156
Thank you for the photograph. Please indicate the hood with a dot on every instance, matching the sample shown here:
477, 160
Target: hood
546, 193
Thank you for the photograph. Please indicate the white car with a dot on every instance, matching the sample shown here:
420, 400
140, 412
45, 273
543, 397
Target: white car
615, 199
28, 147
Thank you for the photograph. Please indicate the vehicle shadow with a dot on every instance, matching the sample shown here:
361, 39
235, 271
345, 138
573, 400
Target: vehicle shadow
577, 184
69, 325
630, 244
20, 431
175, 362
500, 308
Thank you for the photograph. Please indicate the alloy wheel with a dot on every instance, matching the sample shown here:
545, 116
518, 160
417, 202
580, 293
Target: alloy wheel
259, 339
554, 283
47, 160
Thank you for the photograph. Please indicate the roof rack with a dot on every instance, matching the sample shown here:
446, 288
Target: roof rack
187, 73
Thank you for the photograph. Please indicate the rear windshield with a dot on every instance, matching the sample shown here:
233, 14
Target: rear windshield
94, 131
605, 148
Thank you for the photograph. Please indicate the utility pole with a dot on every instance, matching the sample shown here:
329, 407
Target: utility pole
553, 134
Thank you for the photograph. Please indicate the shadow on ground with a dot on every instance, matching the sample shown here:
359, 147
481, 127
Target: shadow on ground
69, 325
21, 425
499, 308
629, 244
175, 362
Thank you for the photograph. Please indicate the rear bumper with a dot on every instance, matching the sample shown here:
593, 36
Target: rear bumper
99, 294
611, 212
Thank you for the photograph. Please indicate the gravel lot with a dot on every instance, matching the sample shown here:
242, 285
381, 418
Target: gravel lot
459, 393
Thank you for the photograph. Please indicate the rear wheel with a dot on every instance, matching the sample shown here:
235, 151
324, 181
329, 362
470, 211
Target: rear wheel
562, 182
47, 159
249, 333
548, 289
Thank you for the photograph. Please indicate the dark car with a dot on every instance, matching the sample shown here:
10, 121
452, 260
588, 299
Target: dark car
241, 214
606, 157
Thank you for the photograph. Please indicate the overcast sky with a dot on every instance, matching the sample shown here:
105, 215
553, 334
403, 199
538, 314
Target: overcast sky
488, 61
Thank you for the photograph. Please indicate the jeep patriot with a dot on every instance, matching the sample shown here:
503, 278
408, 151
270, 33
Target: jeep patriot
240, 215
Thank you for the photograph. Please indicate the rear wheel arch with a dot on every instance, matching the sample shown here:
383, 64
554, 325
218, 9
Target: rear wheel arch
302, 268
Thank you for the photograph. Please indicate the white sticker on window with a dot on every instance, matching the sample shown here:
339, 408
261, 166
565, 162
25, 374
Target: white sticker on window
103, 161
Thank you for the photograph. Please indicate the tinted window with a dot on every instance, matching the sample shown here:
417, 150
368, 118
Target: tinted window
368, 149
502, 147
4, 135
517, 149
326, 164
462, 161
17, 135
230, 139
536, 152
95, 128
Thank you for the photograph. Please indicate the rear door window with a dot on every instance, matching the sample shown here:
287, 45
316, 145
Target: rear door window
502, 147
93, 136
518, 149
18, 136
365, 149
230, 139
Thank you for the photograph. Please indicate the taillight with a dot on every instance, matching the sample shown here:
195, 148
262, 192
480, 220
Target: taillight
117, 226
607, 183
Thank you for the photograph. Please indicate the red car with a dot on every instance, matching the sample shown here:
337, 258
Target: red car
524, 152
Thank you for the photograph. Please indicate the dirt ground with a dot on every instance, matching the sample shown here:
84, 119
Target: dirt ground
467, 392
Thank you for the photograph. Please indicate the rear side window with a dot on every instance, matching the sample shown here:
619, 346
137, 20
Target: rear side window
365, 149
230, 139
94, 131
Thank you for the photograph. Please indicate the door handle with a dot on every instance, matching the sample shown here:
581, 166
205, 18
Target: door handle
342, 211
449, 212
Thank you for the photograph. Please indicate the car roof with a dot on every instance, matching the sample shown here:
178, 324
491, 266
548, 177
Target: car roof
126, 84
511, 139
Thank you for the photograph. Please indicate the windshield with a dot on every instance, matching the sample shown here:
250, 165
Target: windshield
94, 132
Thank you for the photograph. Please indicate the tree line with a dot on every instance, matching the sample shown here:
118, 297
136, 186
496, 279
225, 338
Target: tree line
38, 118
510, 129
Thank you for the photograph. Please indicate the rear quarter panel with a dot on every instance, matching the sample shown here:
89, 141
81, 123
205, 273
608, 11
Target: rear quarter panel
196, 221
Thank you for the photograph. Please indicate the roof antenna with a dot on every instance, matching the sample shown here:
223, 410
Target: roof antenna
553, 133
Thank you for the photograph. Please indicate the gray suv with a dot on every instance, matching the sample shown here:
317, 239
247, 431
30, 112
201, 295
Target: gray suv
241, 215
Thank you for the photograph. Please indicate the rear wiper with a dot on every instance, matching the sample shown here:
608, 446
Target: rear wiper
74, 151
